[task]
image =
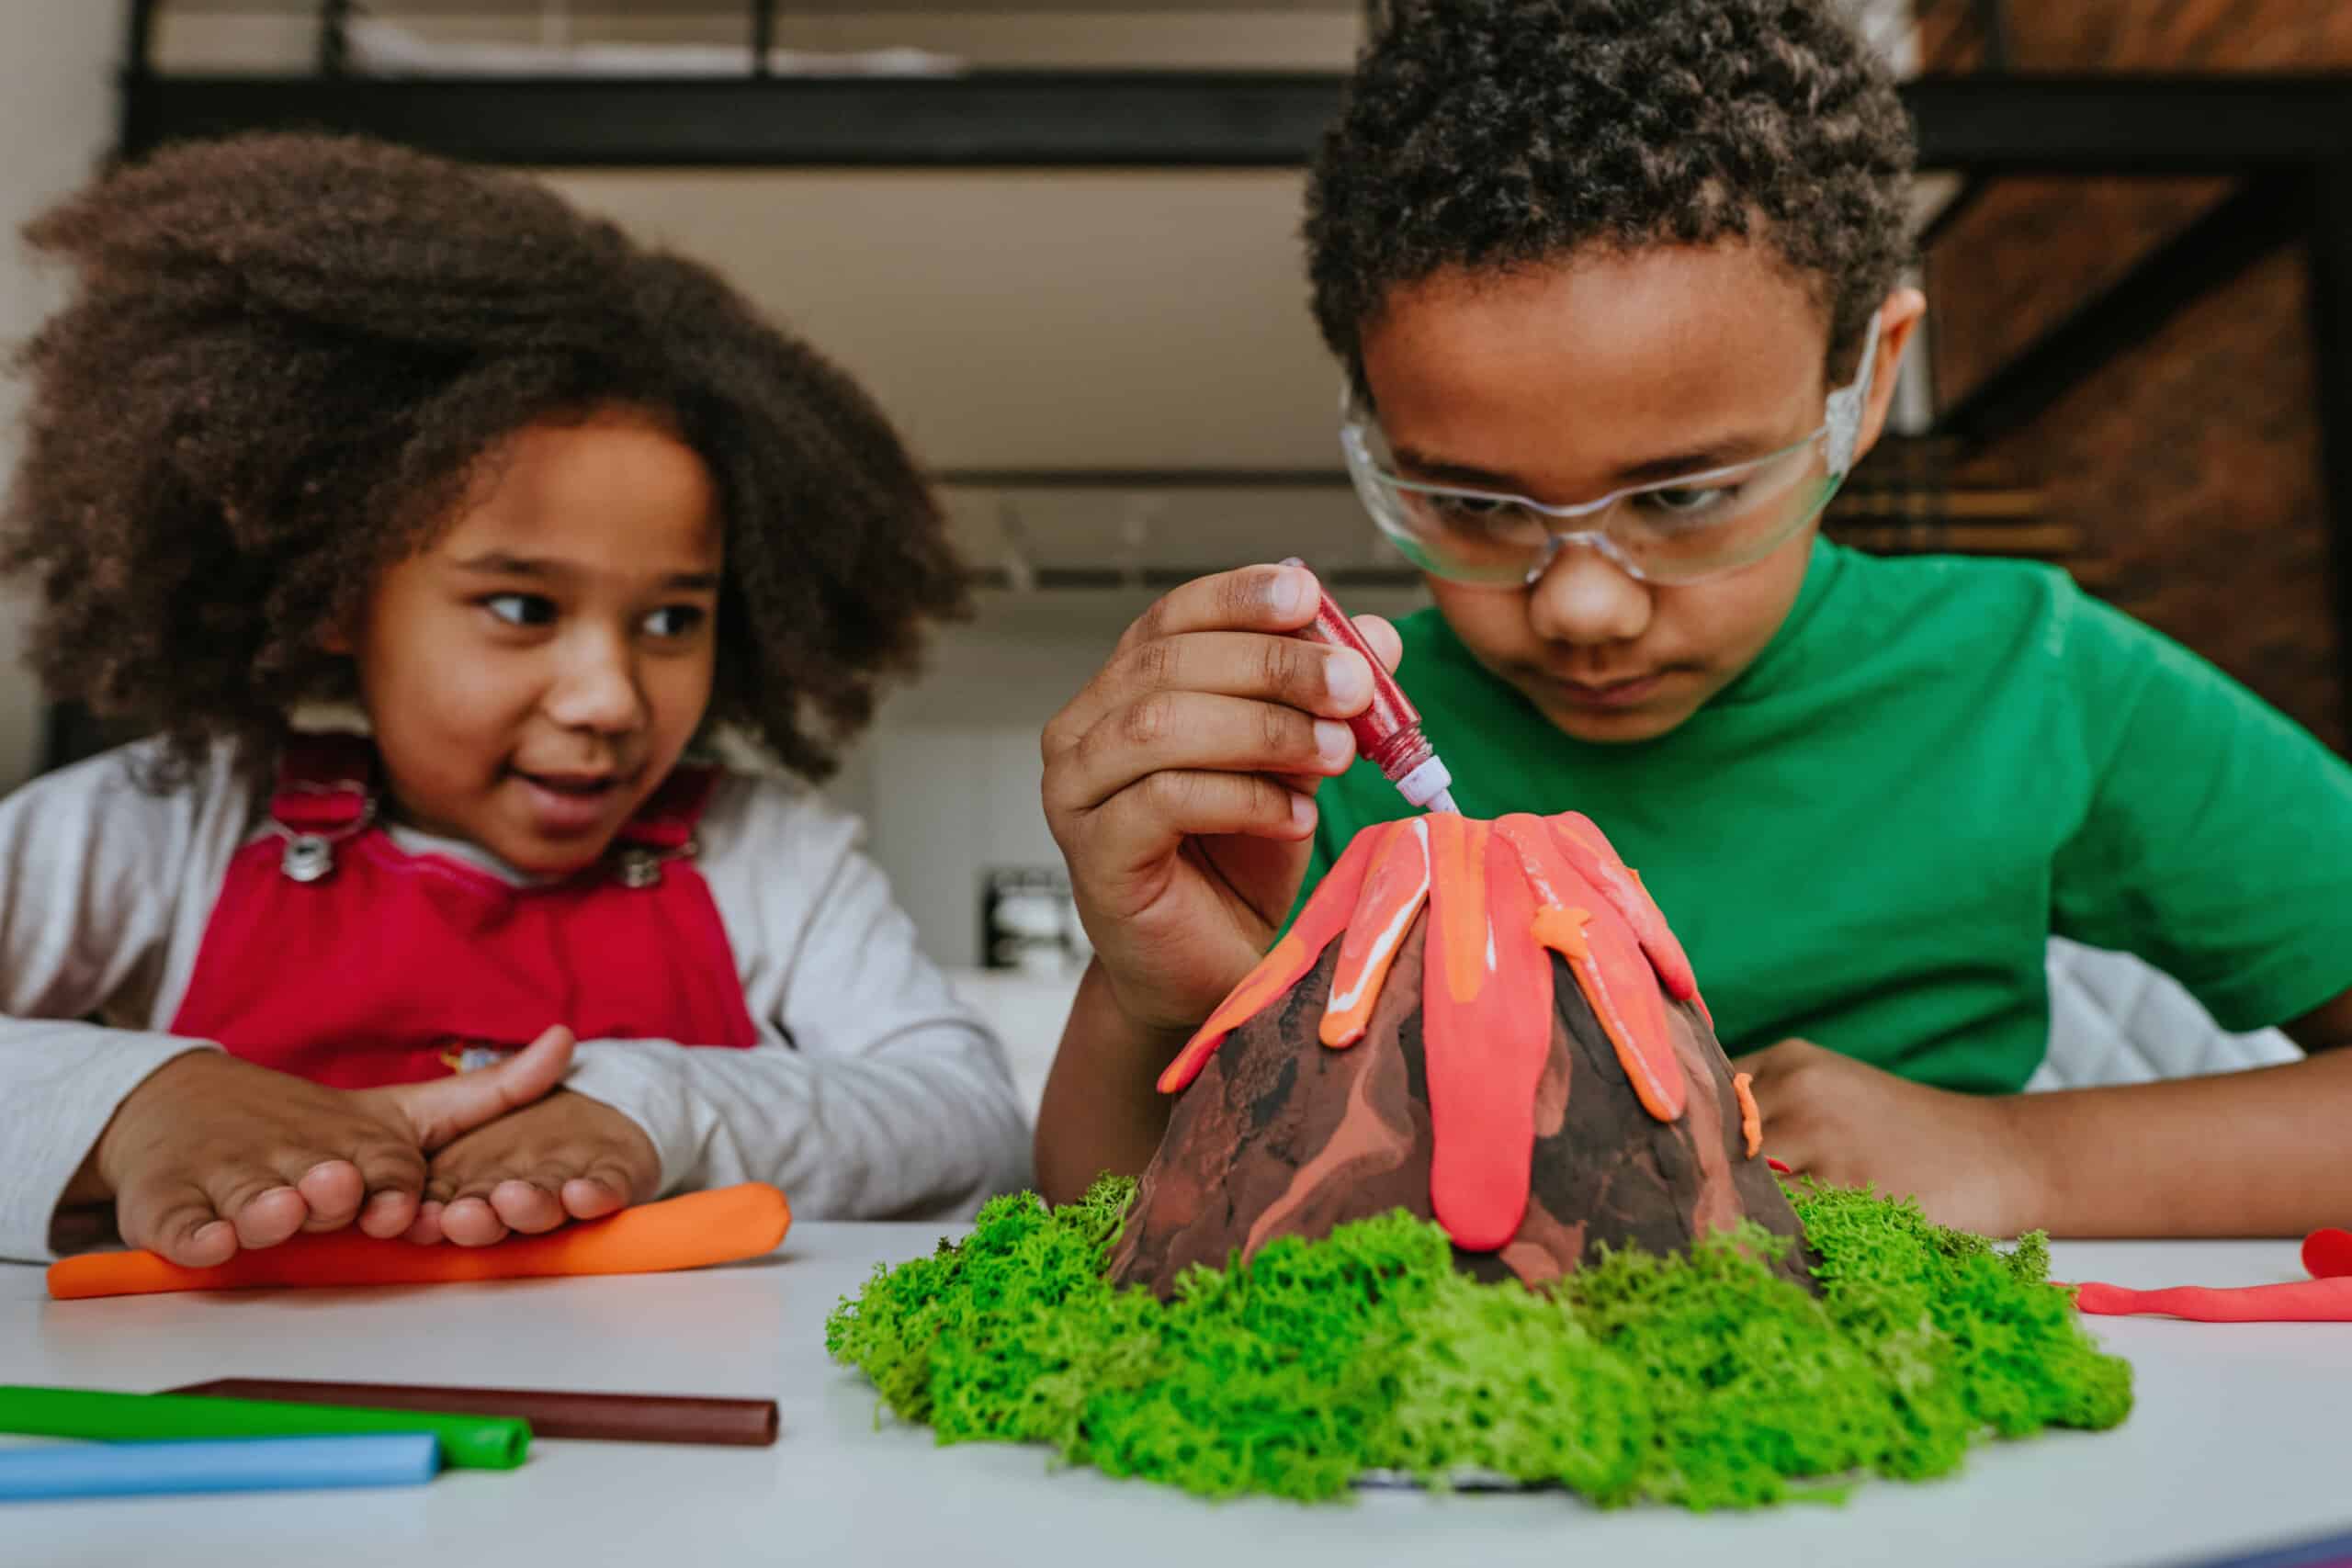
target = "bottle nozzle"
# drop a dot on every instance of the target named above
(1428, 787)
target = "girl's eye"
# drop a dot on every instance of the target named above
(521, 609)
(674, 620)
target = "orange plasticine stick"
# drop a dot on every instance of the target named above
(1751, 1121)
(690, 1232)
(1393, 891)
(1301, 948)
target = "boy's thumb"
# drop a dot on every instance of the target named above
(442, 1110)
(1382, 639)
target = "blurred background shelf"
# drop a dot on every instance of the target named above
(1059, 240)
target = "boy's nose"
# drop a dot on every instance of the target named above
(1585, 597)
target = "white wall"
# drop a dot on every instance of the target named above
(947, 779)
(57, 106)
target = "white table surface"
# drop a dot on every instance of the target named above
(2242, 1437)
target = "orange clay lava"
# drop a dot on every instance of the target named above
(1499, 894)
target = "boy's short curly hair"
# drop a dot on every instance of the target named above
(1486, 134)
(286, 360)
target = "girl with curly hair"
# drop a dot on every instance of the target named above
(1615, 288)
(326, 425)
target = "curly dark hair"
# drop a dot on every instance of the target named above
(288, 357)
(1495, 134)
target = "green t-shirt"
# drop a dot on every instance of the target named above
(1868, 837)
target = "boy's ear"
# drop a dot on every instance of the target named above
(1897, 320)
(335, 637)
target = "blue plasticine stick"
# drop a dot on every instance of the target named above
(227, 1464)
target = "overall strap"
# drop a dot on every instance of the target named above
(326, 792)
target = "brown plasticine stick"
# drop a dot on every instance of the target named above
(690, 1232)
(594, 1417)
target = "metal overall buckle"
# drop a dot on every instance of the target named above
(309, 857)
(639, 866)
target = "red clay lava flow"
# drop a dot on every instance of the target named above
(1502, 895)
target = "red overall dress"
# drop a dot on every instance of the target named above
(335, 955)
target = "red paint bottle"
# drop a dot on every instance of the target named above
(1388, 732)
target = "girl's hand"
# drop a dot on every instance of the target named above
(1180, 784)
(211, 1153)
(1962, 1156)
(563, 1158)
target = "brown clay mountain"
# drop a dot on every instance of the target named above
(1484, 1023)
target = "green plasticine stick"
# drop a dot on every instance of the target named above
(471, 1442)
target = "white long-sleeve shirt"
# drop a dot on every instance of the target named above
(873, 1093)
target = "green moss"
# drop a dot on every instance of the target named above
(1705, 1380)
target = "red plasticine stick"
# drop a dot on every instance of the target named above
(699, 1229)
(2297, 1300)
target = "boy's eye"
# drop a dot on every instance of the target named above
(521, 609)
(1470, 512)
(674, 620)
(1689, 506)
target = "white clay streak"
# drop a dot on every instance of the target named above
(1376, 959)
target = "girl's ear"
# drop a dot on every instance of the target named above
(335, 637)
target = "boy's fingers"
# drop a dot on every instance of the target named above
(443, 1109)
(1251, 598)
(1333, 681)
(1140, 827)
(1245, 612)
(1175, 731)
(1384, 639)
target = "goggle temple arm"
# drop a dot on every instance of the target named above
(1848, 403)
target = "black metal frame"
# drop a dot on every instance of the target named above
(1974, 125)
(763, 36)
(2288, 138)
(1993, 21)
(987, 118)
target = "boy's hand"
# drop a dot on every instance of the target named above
(210, 1154)
(1962, 1155)
(564, 1157)
(1178, 783)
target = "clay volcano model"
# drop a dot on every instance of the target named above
(1507, 1039)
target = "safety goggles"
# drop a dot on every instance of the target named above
(1675, 531)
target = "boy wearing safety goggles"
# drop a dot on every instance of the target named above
(1616, 288)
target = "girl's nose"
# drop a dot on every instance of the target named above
(1584, 597)
(596, 687)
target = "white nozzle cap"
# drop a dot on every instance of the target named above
(1427, 784)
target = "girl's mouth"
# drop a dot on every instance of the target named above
(566, 804)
